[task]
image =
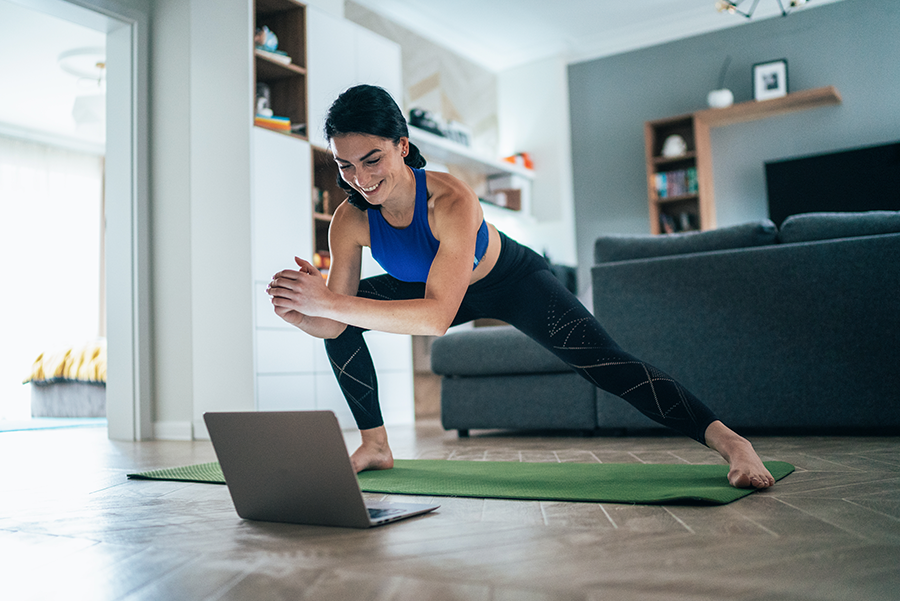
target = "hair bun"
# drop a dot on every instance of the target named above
(414, 159)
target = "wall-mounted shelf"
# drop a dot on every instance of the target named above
(441, 150)
(763, 109)
(696, 210)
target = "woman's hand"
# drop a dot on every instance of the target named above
(299, 293)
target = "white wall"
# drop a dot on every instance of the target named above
(202, 295)
(533, 114)
(172, 265)
(221, 194)
(333, 7)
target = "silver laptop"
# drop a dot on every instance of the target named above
(293, 466)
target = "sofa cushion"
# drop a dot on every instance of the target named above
(492, 351)
(808, 227)
(608, 249)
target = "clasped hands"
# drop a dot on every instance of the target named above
(298, 293)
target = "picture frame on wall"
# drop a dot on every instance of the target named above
(770, 80)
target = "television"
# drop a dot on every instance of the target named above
(859, 179)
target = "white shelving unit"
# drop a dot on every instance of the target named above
(497, 174)
(292, 370)
(441, 150)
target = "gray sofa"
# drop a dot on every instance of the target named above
(797, 329)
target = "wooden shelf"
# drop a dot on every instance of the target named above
(268, 69)
(441, 150)
(688, 156)
(763, 109)
(694, 128)
(681, 198)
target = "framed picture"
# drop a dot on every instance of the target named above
(770, 80)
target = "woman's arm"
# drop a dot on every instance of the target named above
(457, 216)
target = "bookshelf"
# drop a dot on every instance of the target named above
(287, 81)
(691, 206)
(675, 204)
(327, 195)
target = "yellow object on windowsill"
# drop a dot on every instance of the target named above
(85, 364)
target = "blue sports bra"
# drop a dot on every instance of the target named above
(407, 253)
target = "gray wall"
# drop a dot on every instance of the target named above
(853, 45)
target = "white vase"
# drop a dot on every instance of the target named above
(719, 99)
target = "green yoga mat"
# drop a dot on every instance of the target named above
(587, 482)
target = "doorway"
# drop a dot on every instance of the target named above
(126, 212)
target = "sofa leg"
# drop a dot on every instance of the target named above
(463, 433)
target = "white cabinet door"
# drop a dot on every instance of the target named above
(341, 54)
(284, 351)
(280, 392)
(378, 62)
(331, 65)
(282, 228)
(282, 202)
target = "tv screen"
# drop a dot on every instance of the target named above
(861, 179)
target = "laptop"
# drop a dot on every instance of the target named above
(293, 466)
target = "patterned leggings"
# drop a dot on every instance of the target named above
(522, 291)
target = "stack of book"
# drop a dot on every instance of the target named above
(282, 124)
(682, 182)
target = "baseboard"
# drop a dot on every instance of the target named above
(200, 431)
(173, 431)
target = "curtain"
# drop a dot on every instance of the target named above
(50, 259)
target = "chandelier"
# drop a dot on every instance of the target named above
(732, 7)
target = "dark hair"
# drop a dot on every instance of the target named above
(370, 110)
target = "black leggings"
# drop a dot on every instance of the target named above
(522, 291)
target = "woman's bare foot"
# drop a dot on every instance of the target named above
(747, 469)
(374, 453)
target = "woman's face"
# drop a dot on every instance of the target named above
(372, 165)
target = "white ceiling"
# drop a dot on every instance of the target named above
(36, 95)
(499, 34)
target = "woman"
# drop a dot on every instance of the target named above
(422, 228)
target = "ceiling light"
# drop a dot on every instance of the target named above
(89, 66)
(732, 7)
(85, 63)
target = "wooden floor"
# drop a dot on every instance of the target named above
(73, 527)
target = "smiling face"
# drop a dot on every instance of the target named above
(372, 165)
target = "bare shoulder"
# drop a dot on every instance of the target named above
(446, 186)
(350, 223)
(448, 193)
(453, 206)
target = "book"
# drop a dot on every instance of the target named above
(275, 123)
(682, 182)
(276, 55)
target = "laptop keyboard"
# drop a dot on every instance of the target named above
(377, 514)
